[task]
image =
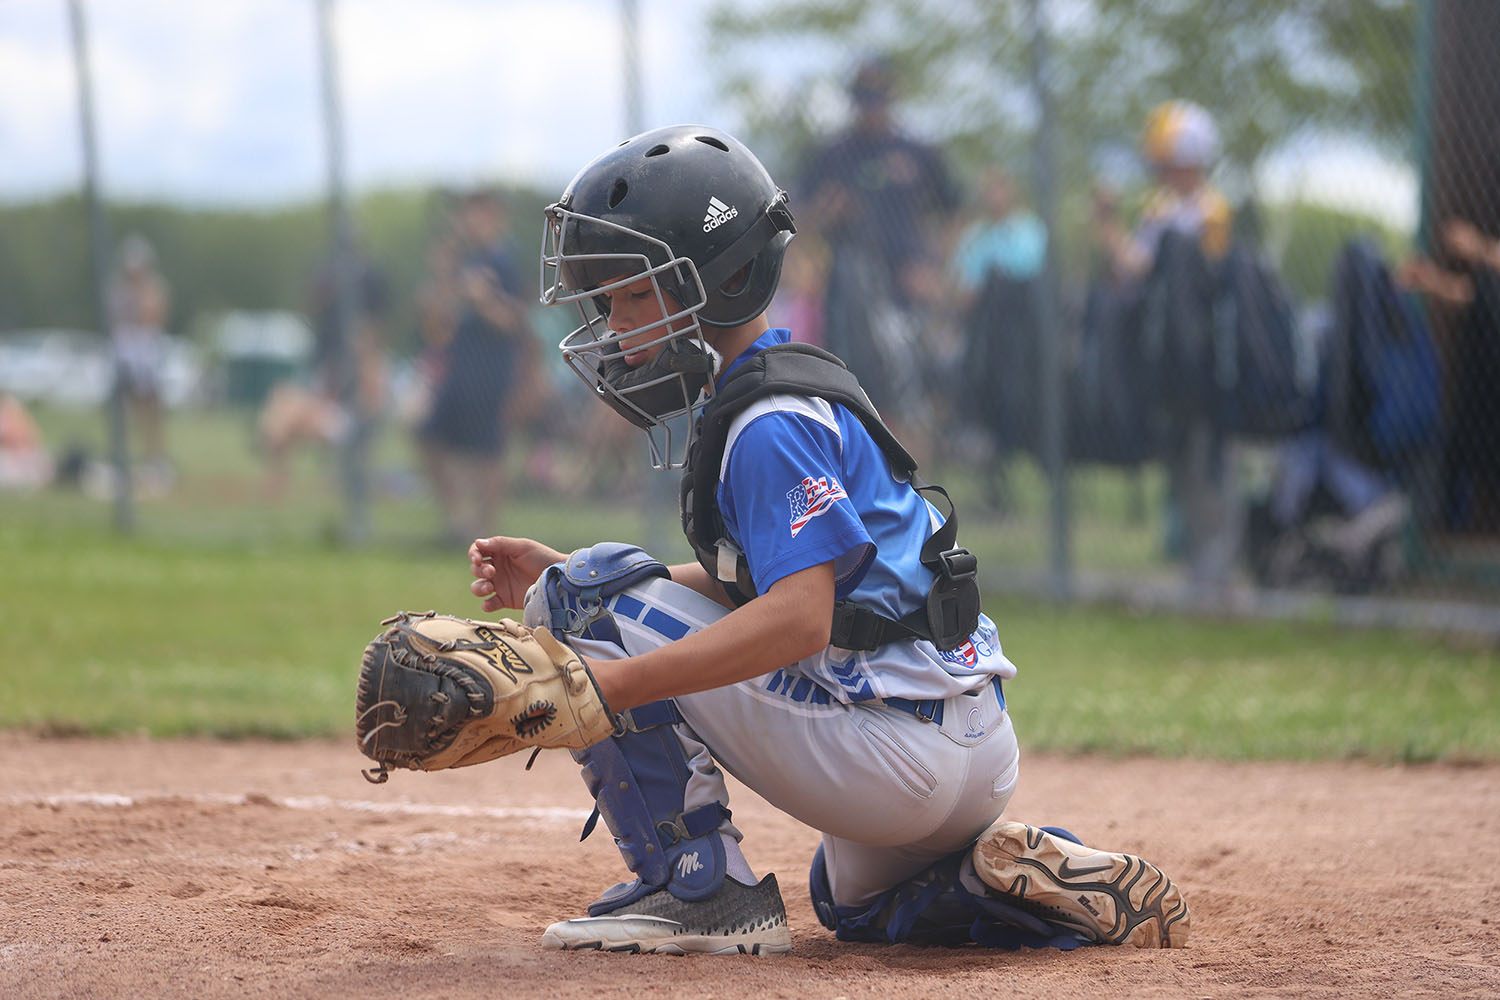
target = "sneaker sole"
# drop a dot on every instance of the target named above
(1112, 898)
(643, 934)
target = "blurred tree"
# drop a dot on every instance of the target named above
(1310, 237)
(1267, 69)
(221, 259)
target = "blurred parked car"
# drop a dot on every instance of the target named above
(74, 368)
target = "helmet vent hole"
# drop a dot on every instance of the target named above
(618, 192)
(657, 150)
(714, 141)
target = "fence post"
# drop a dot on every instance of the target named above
(99, 239)
(354, 451)
(1054, 429)
(661, 487)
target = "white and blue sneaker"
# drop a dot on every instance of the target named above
(736, 920)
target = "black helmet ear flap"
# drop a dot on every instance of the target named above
(735, 297)
(776, 219)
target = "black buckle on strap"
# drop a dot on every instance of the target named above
(958, 564)
(953, 601)
(856, 627)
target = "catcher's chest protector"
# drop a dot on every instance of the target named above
(952, 608)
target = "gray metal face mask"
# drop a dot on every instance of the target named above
(662, 395)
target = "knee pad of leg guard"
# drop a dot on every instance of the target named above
(638, 780)
(569, 597)
(926, 909)
(933, 908)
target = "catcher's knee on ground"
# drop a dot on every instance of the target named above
(1017, 887)
(944, 905)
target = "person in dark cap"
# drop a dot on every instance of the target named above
(879, 198)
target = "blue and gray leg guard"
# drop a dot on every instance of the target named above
(639, 776)
(937, 908)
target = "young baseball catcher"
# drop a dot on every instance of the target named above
(827, 647)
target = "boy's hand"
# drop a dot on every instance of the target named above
(505, 568)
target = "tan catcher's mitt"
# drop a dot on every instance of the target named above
(436, 691)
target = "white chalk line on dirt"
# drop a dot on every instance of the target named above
(310, 803)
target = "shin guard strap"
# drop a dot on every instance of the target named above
(638, 779)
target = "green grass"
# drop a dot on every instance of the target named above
(223, 616)
(1113, 682)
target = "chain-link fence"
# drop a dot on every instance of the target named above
(1166, 294)
(1195, 293)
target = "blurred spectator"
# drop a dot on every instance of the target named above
(25, 463)
(1340, 499)
(1384, 394)
(1004, 239)
(345, 390)
(1184, 227)
(1472, 447)
(1180, 144)
(464, 436)
(139, 303)
(1329, 519)
(995, 266)
(438, 306)
(881, 200)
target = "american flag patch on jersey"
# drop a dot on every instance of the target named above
(965, 654)
(812, 497)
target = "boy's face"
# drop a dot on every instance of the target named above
(1182, 179)
(637, 306)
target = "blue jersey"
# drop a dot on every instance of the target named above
(803, 483)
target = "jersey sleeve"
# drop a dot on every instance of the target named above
(784, 500)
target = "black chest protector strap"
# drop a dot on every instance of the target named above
(951, 612)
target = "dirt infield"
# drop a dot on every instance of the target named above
(204, 869)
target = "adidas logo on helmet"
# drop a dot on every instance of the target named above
(718, 214)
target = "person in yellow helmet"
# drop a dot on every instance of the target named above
(1180, 143)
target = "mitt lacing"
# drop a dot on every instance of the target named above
(397, 718)
(380, 774)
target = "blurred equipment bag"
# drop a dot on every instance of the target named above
(1177, 336)
(436, 691)
(1385, 393)
(1110, 384)
(1220, 340)
(1257, 353)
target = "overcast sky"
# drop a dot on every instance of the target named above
(218, 101)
